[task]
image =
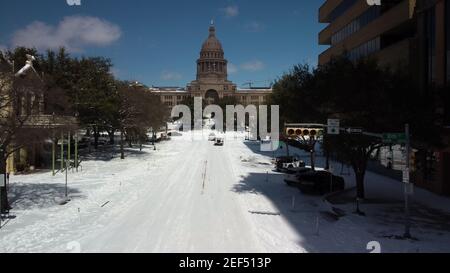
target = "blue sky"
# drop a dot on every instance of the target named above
(157, 42)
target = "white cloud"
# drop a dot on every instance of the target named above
(254, 27)
(3, 48)
(232, 68)
(253, 66)
(231, 11)
(170, 76)
(73, 32)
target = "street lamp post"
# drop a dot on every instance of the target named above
(407, 185)
(67, 191)
(62, 151)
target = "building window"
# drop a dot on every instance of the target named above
(364, 49)
(430, 34)
(367, 17)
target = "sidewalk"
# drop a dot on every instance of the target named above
(384, 221)
(379, 188)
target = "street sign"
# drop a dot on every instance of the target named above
(333, 126)
(354, 130)
(406, 178)
(2, 180)
(394, 138)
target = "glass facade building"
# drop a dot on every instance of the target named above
(364, 19)
(365, 49)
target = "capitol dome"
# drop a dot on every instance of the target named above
(212, 63)
(212, 43)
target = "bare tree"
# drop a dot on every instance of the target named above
(138, 111)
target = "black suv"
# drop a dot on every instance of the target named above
(319, 182)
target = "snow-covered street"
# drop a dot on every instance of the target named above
(187, 196)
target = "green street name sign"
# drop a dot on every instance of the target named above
(394, 138)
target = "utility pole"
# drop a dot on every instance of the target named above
(68, 148)
(67, 192)
(53, 155)
(407, 185)
(62, 151)
(76, 151)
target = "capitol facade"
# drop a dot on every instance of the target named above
(212, 81)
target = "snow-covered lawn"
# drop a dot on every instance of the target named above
(191, 196)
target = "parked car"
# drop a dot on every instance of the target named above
(291, 175)
(103, 140)
(284, 163)
(212, 137)
(296, 170)
(317, 182)
(219, 141)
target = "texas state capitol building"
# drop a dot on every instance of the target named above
(212, 80)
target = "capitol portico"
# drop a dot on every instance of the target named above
(212, 81)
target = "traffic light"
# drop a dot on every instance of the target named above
(303, 132)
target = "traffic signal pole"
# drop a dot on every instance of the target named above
(54, 143)
(407, 185)
(62, 152)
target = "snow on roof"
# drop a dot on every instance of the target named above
(167, 90)
(254, 90)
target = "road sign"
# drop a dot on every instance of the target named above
(333, 126)
(394, 138)
(354, 130)
(406, 178)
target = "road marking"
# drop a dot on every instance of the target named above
(265, 213)
(204, 177)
